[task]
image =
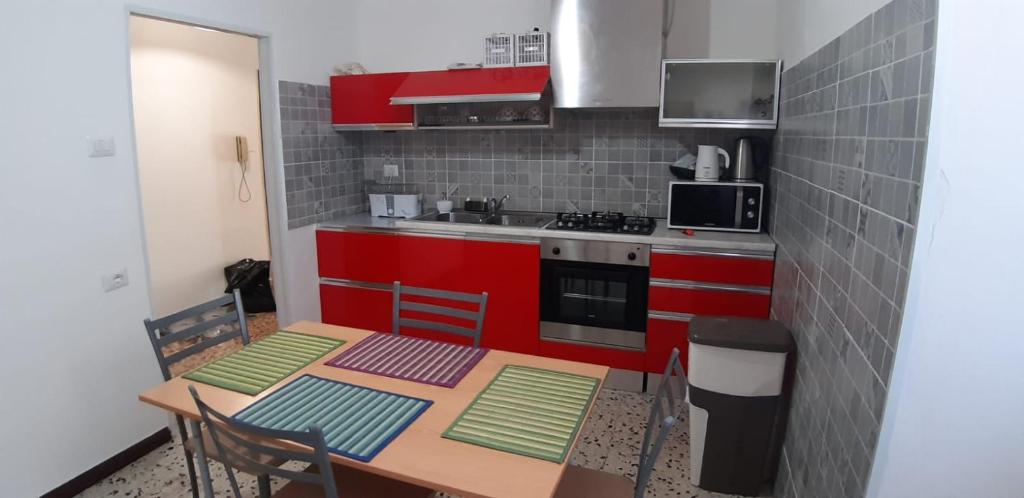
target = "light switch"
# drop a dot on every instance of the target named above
(115, 280)
(101, 147)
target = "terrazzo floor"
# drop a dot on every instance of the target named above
(610, 441)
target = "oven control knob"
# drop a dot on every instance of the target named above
(750, 215)
(751, 201)
(556, 251)
(631, 256)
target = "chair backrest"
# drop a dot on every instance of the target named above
(400, 304)
(238, 444)
(161, 336)
(671, 392)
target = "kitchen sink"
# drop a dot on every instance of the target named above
(521, 219)
(454, 217)
(507, 218)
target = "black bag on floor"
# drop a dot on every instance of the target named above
(252, 279)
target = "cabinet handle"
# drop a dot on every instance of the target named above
(731, 254)
(668, 315)
(356, 284)
(693, 285)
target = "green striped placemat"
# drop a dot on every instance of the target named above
(527, 411)
(264, 363)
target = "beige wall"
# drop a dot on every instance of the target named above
(194, 91)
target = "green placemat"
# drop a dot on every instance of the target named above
(527, 411)
(264, 363)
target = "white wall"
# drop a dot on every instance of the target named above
(74, 358)
(804, 26)
(412, 35)
(743, 29)
(193, 91)
(954, 423)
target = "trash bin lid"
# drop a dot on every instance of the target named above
(741, 333)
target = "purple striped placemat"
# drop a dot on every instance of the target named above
(410, 358)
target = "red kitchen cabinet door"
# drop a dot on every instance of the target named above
(709, 302)
(363, 257)
(614, 358)
(364, 101)
(662, 336)
(432, 262)
(717, 269)
(508, 272)
(356, 307)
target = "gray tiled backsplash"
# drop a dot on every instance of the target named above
(591, 160)
(323, 169)
(846, 181)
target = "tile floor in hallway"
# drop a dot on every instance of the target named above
(610, 441)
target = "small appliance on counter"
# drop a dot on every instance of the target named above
(721, 206)
(751, 154)
(394, 200)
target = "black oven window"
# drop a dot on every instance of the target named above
(607, 296)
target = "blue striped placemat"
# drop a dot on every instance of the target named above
(358, 422)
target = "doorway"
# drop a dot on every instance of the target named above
(196, 106)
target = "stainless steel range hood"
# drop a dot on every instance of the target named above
(607, 53)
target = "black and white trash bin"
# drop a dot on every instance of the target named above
(736, 371)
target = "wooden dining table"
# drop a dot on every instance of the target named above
(419, 455)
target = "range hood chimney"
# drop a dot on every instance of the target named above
(607, 53)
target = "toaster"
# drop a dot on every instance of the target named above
(396, 205)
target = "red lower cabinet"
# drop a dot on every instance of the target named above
(614, 358)
(509, 272)
(713, 269)
(362, 257)
(356, 307)
(709, 302)
(662, 336)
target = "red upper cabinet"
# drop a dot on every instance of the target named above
(489, 84)
(363, 102)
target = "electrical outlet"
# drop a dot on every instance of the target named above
(390, 170)
(115, 280)
(101, 147)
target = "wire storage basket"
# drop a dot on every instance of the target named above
(532, 48)
(499, 50)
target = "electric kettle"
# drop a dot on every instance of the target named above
(743, 167)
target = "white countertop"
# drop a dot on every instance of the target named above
(662, 236)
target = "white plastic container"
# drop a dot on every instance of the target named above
(532, 49)
(499, 50)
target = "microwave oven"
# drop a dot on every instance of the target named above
(722, 206)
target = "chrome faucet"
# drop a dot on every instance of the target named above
(496, 205)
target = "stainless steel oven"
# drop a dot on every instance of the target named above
(594, 293)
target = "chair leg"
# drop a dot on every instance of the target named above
(204, 466)
(190, 465)
(263, 482)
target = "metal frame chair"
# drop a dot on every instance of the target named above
(230, 436)
(399, 305)
(673, 388)
(159, 338)
(579, 481)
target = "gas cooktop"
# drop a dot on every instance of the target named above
(603, 222)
